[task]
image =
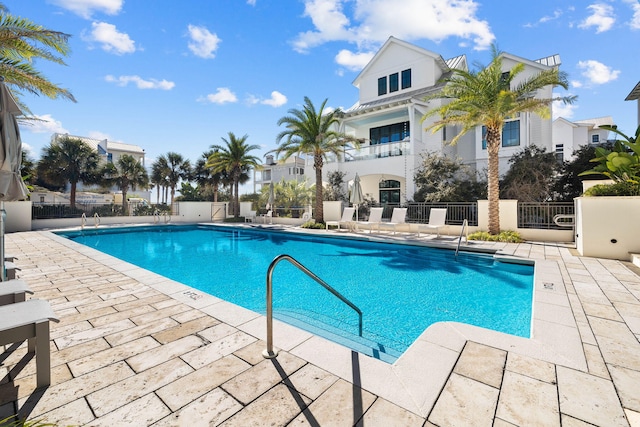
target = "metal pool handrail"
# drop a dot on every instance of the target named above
(269, 353)
(465, 226)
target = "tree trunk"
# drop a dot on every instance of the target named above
(125, 205)
(494, 139)
(236, 200)
(317, 165)
(72, 195)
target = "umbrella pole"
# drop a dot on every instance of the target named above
(3, 273)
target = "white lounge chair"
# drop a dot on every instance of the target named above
(347, 218)
(375, 218)
(437, 218)
(250, 217)
(29, 320)
(267, 216)
(13, 291)
(397, 218)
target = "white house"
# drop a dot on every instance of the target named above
(570, 136)
(291, 169)
(387, 116)
(634, 95)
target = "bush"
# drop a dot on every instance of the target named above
(615, 189)
(504, 236)
(313, 225)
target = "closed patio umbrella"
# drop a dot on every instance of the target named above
(272, 197)
(356, 196)
(11, 185)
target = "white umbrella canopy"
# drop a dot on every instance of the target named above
(11, 185)
(272, 197)
(356, 197)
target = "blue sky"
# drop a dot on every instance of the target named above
(179, 75)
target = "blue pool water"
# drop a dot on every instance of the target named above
(401, 289)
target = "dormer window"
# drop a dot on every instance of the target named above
(382, 85)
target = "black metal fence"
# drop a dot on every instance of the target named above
(541, 215)
(457, 212)
(44, 211)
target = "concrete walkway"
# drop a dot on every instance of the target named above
(133, 348)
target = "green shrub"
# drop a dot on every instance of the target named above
(507, 236)
(313, 224)
(615, 189)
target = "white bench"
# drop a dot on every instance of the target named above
(29, 320)
(13, 291)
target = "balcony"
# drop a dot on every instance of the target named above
(371, 152)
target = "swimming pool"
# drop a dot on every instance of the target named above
(401, 289)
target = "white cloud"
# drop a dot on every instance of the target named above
(596, 72)
(85, 8)
(634, 23)
(576, 83)
(602, 18)
(410, 19)
(140, 82)
(353, 61)
(277, 99)
(110, 39)
(223, 95)
(43, 124)
(203, 43)
(251, 2)
(560, 109)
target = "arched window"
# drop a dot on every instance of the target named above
(389, 191)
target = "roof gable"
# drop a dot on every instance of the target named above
(390, 44)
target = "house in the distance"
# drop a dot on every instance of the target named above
(568, 136)
(387, 117)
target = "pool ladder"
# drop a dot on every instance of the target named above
(465, 226)
(269, 353)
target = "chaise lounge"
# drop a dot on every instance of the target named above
(347, 218)
(29, 320)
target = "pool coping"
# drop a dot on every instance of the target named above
(555, 335)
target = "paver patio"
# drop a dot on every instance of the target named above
(133, 348)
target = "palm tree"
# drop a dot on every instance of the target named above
(159, 173)
(126, 173)
(69, 160)
(234, 158)
(22, 43)
(312, 132)
(488, 97)
(206, 178)
(177, 169)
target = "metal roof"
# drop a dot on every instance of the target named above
(634, 94)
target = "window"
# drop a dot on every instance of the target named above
(393, 82)
(560, 153)
(390, 133)
(389, 191)
(296, 171)
(595, 139)
(510, 134)
(382, 85)
(110, 158)
(406, 79)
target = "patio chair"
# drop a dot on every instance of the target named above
(397, 218)
(29, 320)
(13, 291)
(375, 218)
(250, 217)
(437, 218)
(347, 218)
(267, 216)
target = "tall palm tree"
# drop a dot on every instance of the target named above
(234, 158)
(69, 160)
(178, 169)
(206, 178)
(22, 43)
(159, 173)
(126, 173)
(312, 132)
(488, 97)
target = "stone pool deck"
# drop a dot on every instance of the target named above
(134, 348)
